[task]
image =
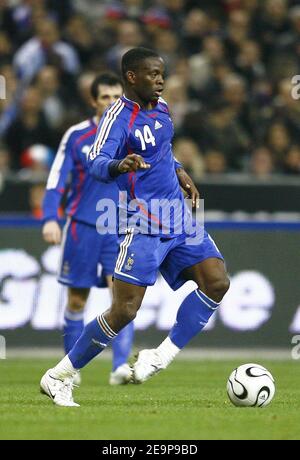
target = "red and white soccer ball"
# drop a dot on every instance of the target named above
(251, 385)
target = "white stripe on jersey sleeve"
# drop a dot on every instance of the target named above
(110, 111)
(114, 117)
(110, 118)
(53, 178)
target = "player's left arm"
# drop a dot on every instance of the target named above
(187, 183)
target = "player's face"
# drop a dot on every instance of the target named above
(149, 79)
(107, 95)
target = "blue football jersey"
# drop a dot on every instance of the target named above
(126, 128)
(70, 167)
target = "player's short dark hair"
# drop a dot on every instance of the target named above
(107, 78)
(133, 58)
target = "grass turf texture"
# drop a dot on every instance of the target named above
(187, 401)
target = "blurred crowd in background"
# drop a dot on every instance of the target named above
(229, 65)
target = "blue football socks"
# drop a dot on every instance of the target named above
(192, 317)
(121, 346)
(94, 339)
(73, 327)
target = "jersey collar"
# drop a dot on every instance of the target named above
(130, 103)
(134, 104)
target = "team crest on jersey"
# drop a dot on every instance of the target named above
(129, 262)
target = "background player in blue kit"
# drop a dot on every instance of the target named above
(83, 249)
(133, 148)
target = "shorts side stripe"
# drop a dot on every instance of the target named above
(123, 249)
(63, 244)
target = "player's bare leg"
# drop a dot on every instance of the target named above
(211, 278)
(192, 316)
(127, 299)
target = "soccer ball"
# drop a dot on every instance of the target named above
(251, 385)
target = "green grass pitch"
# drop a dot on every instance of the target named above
(187, 401)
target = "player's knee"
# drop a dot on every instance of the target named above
(217, 288)
(76, 303)
(128, 310)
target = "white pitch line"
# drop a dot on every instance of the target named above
(189, 354)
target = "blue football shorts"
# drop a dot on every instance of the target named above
(141, 257)
(87, 257)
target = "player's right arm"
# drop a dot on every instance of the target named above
(55, 188)
(131, 163)
(108, 155)
(52, 232)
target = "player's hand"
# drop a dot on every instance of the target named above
(189, 187)
(132, 163)
(52, 232)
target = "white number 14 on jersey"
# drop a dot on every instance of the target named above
(146, 138)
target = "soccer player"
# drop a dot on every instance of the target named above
(133, 148)
(83, 249)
